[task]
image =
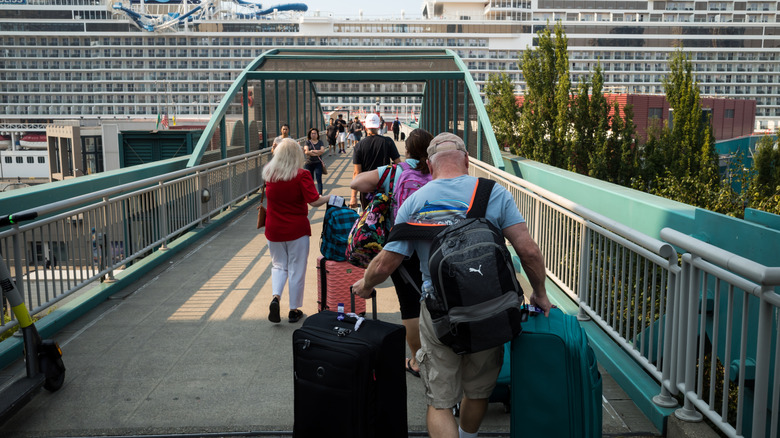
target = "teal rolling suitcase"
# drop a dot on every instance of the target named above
(556, 384)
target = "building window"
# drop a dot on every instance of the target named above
(654, 113)
(92, 154)
(729, 114)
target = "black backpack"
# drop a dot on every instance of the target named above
(477, 302)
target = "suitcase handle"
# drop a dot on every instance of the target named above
(373, 301)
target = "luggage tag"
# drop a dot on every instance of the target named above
(534, 310)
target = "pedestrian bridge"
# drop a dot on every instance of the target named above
(679, 303)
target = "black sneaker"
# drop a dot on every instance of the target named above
(295, 316)
(273, 313)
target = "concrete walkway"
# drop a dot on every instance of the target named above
(189, 350)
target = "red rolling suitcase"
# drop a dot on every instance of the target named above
(333, 282)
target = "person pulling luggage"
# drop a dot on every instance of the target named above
(450, 377)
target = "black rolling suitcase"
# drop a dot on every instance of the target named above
(348, 382)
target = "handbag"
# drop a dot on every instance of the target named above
(369, 234)
(261, 211)
(324, 167)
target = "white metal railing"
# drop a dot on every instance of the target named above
(86, 239)
(669, 311)
(648, 298)
(729, 344)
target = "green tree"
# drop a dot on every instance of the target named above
(692, 153)
(545, 114)
(582, 139)
(624, 134)
(502, 108)
(764, 192)
(687, 148)
(603, 159)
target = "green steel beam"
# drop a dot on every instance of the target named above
(358, 76)
(222, 109)
(466, 127)
(287, 93)
(223, 138)
(298, 111)
(482, 117)
(264, 116)
(360, 57)
(245, 96)
(276, 103)
(372, 94)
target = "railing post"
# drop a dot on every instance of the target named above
(583, 293)
(108, 250)
(689, 277)
(669, 356)
(163, 205)
(763, 356)
(19, 274)
(246, 178)
(204, 196)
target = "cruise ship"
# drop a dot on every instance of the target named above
(130, 60)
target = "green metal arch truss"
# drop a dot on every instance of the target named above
(281, 86)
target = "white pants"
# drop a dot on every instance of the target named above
(289, 263)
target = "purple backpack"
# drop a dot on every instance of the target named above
(409, 182)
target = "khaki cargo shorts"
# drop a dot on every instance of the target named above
(448, 376)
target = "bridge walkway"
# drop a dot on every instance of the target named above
(188, 350)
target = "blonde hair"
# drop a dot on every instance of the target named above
(288, 159)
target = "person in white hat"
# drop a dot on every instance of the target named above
(373, 151)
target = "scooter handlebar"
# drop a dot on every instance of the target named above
(16, 218)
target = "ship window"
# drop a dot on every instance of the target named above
(31, 160)
(8, 160)
(41, 160)
(19, 160)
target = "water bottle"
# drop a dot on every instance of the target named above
(427, 290)
(341, 312)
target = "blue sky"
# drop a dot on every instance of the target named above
(350, 8)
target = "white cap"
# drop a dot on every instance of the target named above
(372, 121)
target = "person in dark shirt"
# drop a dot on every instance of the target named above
(373, 151)
(396, 128)
(342, 133)
(331, 132)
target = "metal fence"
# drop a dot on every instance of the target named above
(702, 322)
(86, 239)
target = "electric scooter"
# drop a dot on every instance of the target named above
(43, 358)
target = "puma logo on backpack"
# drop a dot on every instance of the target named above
(477, 299)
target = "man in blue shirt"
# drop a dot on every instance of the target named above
(449, 377)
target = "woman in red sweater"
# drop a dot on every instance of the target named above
(289, 188)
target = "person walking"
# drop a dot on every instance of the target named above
(342, 133)
(447, 376)
(285, 133)
(288, 188)
(331, 132)
(372, 152)
(396, 128)
(407, 284)
(314, 149)
(382, 126)
(357, 129)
